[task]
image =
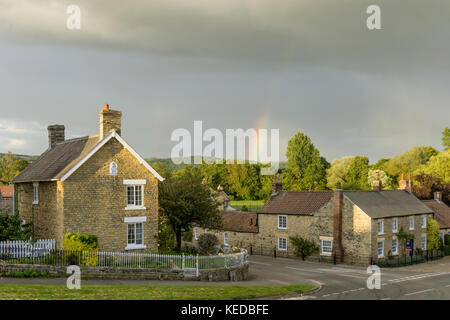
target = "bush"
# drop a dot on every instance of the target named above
(29, 273)
(78, 243)
(190, 249)
(12, 228)
(303, 247)
(207, 243)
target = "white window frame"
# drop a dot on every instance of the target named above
(380, 223)
(134, 184)
(322, 246)
(225, 238)
(382, 249)
(411, 219)
(134, 221)
(395, 225)
(424, 222)
(282, 225)
(442, 236)
(279, 240)
(113, 169)
(396, 247)
(35, 193)
(424, 243)
(196, 233)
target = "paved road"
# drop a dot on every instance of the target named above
(426, 281)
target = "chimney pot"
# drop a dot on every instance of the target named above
(277, 186)
(56, 134)
(377, 184)
(106, 106)
(110, 120)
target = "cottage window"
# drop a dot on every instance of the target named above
(327, 246)
(380, 227)
(135, 232)
(282, 244)
(424, 222)
(282, 222)
(442, 235)
(424, 242)
(113, 169)
(225, 238)
(411, 223)
(395, 225)
(135, 194)
(380, 249)
(394, 246)
(35, 193)
(196, 233)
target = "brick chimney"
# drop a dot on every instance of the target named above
(438, 196)
(338, 249)
(377, 185)
(402, 184)
(277, 186)
(110, 120)
(55, 134)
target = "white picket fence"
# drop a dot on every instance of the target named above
(26, 249)
(190, 264)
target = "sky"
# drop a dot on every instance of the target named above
(310, 66)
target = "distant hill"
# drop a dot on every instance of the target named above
(22, 157)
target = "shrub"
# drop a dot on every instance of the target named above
(12, 228)
(433, 237)
(190, 249)
(303, 247)
(77, 243)
(207, 243)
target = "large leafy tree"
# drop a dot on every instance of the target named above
(438, 165)
(8, 168)
(426, 184)
(351, 172)
(305, 169)
(383, 176)
(185, 200)
(433, 238)
(446, 138)
(12, 228)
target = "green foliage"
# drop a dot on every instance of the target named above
(8, 169)
(306, 169)
(403, 236)
(433, 238)
(438, 165)
(12, 228)
(186, 200)
(426, 184)
(29, 273)
(77, 243)
(207, 243)
(446, 138)
(162, 169)
(303, 247)
(384, 178)
(166, 236)
(352, 172)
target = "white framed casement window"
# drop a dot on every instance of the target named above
(35, 193)
(135, 194)
(424, 242)
(394, 246)
(326, 246)
(113, 169)
(424, 222)
(196, 233)
(395, 225)
(135, 232)
(380, 249)
(225, 238)
(411, 223)
(282, 222)
(282, 244)
(380, 227)
(442, 235)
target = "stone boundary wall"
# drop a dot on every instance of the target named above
(235, 273)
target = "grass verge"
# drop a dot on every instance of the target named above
(121, 292)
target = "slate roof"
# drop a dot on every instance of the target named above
(239, 221)
(55, 162)
(387, 203)
(296, 202)
(441, 212)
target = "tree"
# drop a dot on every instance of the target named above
(438, 165)
(446, 138)
(8, 169)
(384, 178)
(303, 247)
(162, 169)
(12, 228)
(433, 238)
(426, 184)
(351, 171)
(305, 169)
(207, 243)
(186, 200)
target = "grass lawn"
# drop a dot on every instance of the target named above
(120, 292)
(251, 205)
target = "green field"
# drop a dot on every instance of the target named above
(251, 205)
(121, 292)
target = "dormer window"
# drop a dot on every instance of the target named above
(113, 169)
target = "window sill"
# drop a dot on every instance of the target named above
(381, 233)
(35, 202)
(282, 249)
(135, 208)
(135, 246)
(325, 254)
(282, 228)
(381, 256)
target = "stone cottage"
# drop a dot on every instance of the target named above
(354, 226)
(95, 185)
(441, 213)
